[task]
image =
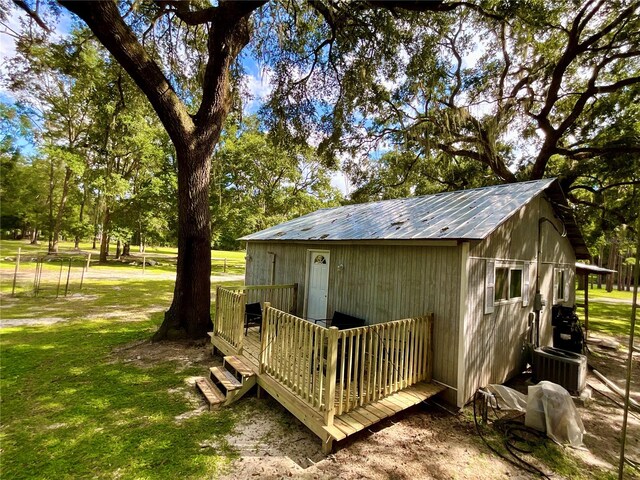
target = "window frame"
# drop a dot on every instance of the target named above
(510, 267)
(562, 283)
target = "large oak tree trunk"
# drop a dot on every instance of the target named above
(193, 135)
(189, 314)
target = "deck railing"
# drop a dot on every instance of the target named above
(229, 320)
(230, 309)
(335, 371)
(378, 360)
(294, 352)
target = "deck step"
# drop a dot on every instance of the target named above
(225, 378)
(238, 365)
(212, 394)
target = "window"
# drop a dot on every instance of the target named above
(508, 283)
(320, 260)
(559, 285)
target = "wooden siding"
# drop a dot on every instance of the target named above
(379, 283)
(494, 343)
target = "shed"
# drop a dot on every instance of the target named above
(474, 258)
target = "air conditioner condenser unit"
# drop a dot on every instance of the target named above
(560, 366)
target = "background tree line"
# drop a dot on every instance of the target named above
(104, 170)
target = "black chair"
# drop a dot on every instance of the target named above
(342, 321)
(252, 316)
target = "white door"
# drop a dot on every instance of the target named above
(317, 285)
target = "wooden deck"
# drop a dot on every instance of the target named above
(359, 416)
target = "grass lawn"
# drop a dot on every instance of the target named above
(607, 314)
(222, 262)
(71, 408)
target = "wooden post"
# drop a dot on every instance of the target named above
(216, 323)
(84, 269)
(15, 272)
(265, 333)
(88, 260)
(66, 288)
(144, 263)
(225, 266)
(586, 306)
(239, 319)
(330, 385)
(294, 308)
(59, 279)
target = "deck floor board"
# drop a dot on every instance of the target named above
(358, 418)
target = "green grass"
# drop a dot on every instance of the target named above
(71, 408)
(595, 293)
(606, 316)
(235, 261)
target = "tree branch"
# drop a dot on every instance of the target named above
(21, 4)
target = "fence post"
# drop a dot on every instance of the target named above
(15, 273)
(265, 333)
(239, 319)
(330, 385)
(216, 323)
(84, 269)
(144, 263)
(225, 265)
(294, 300)
(59, 278)
(66, 288)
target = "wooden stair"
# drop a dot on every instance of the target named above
(227, 383)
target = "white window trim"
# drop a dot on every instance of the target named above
(510, 267)
(491, 265)
(565, 288)
(489, 286)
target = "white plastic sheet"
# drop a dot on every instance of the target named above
(549, 408)
(513, 399)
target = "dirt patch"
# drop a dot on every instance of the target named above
(186, 353)
(423, 442)
(21, 322)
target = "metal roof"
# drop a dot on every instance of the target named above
(586, 268)
(461, 215)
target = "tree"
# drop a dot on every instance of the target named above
(547, 83)
(193, 118)
(22, 203)
(257, 184)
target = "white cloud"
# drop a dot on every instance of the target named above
(259, 87)
(339, 181)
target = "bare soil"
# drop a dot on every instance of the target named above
(426, 441)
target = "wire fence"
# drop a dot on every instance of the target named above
(66, 273)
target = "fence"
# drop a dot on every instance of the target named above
(334, 371)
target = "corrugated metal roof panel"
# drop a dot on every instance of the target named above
(461, 215)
